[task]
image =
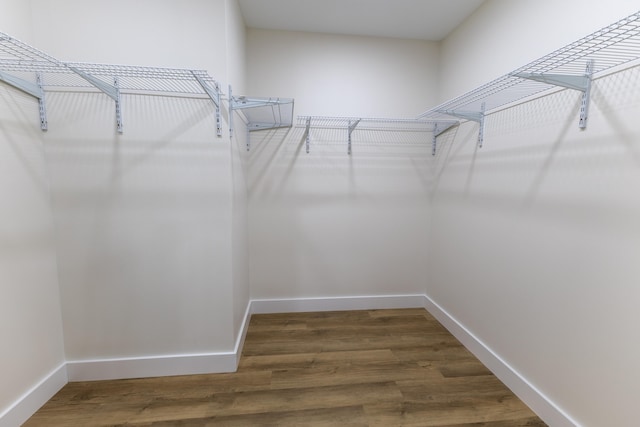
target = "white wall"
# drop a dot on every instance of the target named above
(166, 33)
(343, 75)
(30, 318)
(326, 224)
(144, 219)
(534, 237)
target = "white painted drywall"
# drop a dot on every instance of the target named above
(534, 239)
(326, 224)
(30, 318)
(343, 75)
(16, 19)
(165, 33)
(144, 219)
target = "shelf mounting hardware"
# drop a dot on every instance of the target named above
(42, 106)
(112, 91)
(214, 94)
(474, 116)
(306, 133)
(33, 89)
(581, 83)
(438, 129)
(352, 126)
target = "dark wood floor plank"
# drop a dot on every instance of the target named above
(350, 416)
(349, 368)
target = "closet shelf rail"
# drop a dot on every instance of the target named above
(350, 124)
(34, 72)
(572, 66)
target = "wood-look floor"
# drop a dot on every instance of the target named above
(379, 368)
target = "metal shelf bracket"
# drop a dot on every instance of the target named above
(306, 134)
(33, 89)
(116, 85)
(581, 83)
(214, 94)
(112, 91)
(352, 126)
(474, 116)
(42, 106)
(438, 129)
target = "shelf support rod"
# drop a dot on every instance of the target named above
(33, 89)
(439, 129)
(352, 127)
(112, 91)
(474, 116)
(214, 94)
(306, 134)
(581, 83)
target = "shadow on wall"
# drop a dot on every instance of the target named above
(138, 214)
(535, 159)
(19, 114)
(388, 164)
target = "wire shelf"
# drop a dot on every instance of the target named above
(264, 113)
(612, 46)
(370, 123)
(35, 72)
(350, 124)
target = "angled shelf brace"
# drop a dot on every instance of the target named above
(111, 90)
(438, 129)
(33, 89)
(34, 72)
(261, 113)
(214, 94)
(352, 126)
(474, 116)
(581, 83)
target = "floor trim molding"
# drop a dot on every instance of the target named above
(151, 366)
(296, 305)
(549, 412)
(32, 400)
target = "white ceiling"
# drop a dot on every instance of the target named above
(410, 19)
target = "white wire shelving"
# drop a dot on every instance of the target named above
(260, 113)
(351, 124)
(34, 72)
(573, 67)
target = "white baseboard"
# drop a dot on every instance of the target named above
(297, 305)
(161, 366)
(527, 392)
(32, 400)
(242, 334)
(152, 366)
